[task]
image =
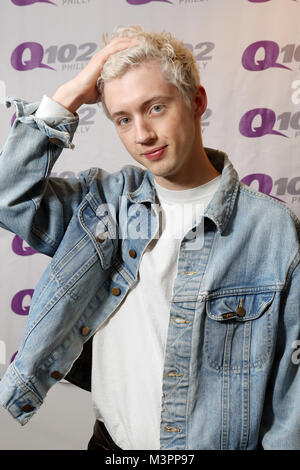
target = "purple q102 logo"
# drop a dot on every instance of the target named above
(143, 2)
(284, 186)
(265, 182)
(271, 53)
(19, 248)
(31, 55)
(17, 303)
(36, 51)
(268, 119)
(23, 3)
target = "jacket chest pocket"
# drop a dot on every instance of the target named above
(101, 228)
(238, 331)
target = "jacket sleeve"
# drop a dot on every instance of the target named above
(280, 428)
(34, 205)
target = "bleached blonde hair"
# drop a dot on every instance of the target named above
(177, 61)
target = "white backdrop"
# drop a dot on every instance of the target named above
(248, 54)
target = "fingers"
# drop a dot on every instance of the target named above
(114, 46)
(119, 44)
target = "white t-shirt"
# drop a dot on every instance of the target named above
(129, 349)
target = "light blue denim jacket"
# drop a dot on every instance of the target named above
(231, 376)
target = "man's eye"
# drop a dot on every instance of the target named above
(124, 121)
(157, 108)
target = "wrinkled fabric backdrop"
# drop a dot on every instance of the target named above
(248, 54)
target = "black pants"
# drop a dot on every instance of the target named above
(101, 439)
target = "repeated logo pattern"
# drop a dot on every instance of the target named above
(258, 122)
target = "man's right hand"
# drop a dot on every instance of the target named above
(82, 89)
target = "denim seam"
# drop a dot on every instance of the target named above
(62, 262)
(101, 256)
(44, 237)
(226, 387)
(67, 286)
(20, 384)
(62, 291)
(258, 195)
(244, 291)
(293, 266)
(246, 386)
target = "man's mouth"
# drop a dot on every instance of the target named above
(155, 153)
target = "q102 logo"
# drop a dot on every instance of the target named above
(282, 187)
(20, 303)
(271, 52)
(202, 52)
(20, 249)
(31, 55)
(259, 122)
(266, 119)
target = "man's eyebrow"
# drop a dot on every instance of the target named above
(144, 105)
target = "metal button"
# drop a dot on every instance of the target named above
(171, 429)
(85, 330)
(27, 408)
(225, 316)
(56, 375)
(180, 320)
(116, 291)
(240, 310)
(101, 238)
(132, 253)
(173, 373)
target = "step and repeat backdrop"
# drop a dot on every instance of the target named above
(248, 54)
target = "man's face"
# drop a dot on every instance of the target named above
(153, 121)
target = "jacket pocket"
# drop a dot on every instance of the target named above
(238, 330)
(101, 230)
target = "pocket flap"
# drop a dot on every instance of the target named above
(100, 231)
(240, 307)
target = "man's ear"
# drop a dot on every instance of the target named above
(200, 101)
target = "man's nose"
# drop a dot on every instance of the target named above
(144, 132)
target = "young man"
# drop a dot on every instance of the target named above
(193, 324)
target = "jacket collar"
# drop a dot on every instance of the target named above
(221, 206)
(222, 203)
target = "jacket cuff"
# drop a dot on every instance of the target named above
(25, 402)
(61, 134)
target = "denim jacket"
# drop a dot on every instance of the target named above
(231, 378)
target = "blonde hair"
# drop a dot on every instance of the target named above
(178, 63)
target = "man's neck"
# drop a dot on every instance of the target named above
(198, 171)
